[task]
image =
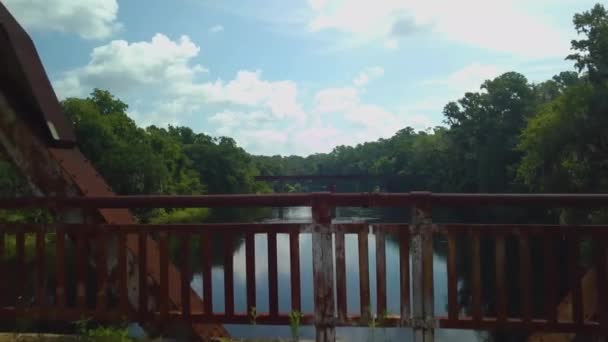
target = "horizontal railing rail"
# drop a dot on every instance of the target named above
(307, 199)
(90, 267)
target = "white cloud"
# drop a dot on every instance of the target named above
(91, 19)
(375, 118)
(120, 67)
(425, 112)
(216, 29)
(248, 89)
(226, 118)
(367, 75)
(391, 44)
(332, 100)
(468, 78)
(345, 103)
(320, 138)
(486, 24)
(165, 72)
(271, 137)
(230, 121)
(317, 4)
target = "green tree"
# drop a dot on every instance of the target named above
(119, 150)
(484, 130)
(565, 146)
(592, 52)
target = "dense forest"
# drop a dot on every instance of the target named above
(510, 136)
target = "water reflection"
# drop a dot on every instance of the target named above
(302, 214)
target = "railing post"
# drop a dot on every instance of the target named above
(422, 320)
(323, 268)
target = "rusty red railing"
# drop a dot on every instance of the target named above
(114, 298)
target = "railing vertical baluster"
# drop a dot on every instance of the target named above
(184, 243)
(102, 271)
(341, 276)
(323, 269)
(404, 274)
(501, 293)
(273, 286)
(143, 275)
(364, 275)
(228, 274)
(599, 251)
(60, 268)
(41, 269)
(123, 292)
(81, 270)
(524, 275)
(206, 263)
(550, 278)
(163, 252)
(427, 267)
(452, 278)
(294, 259)
(574, 277)
(3, 270)
(422, 268)
(20, 277)
(476, 275)
(380, 272)
(250, 270)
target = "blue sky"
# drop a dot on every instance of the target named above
(294, 76)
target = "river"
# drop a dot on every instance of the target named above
(303, 214)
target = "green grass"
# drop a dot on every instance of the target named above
(87, 333)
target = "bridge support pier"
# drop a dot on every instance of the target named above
(423, 313)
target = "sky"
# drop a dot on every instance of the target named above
(294, 76)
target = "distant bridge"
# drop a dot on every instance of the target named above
(354, 177)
